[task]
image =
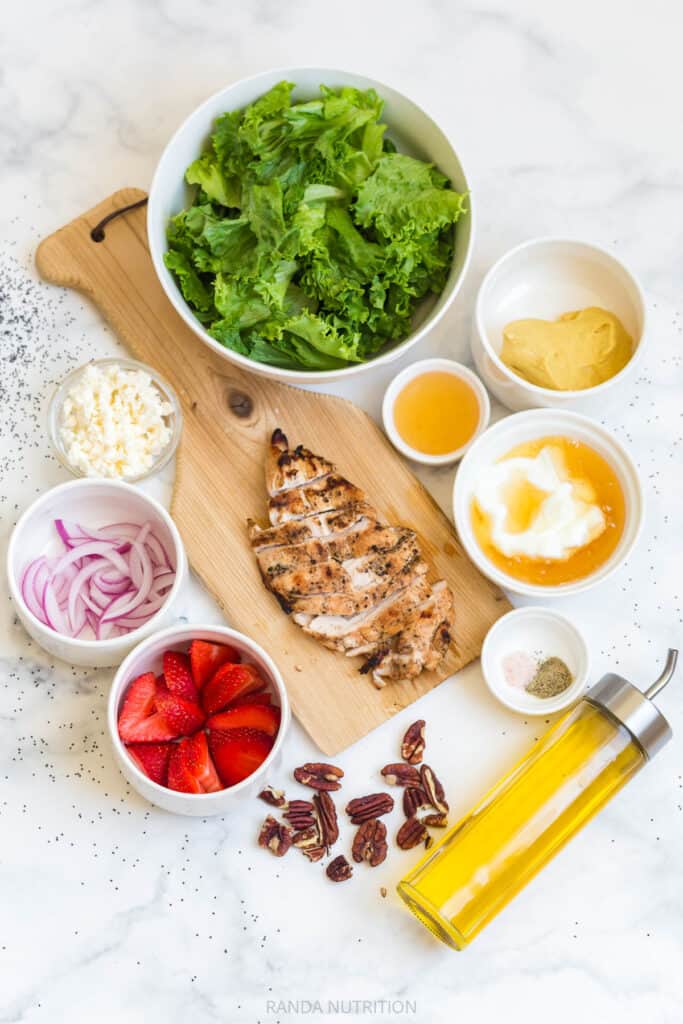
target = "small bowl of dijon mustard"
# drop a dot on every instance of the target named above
(558, 324)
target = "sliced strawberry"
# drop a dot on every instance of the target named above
(200, 763)
(179, 775)
(178, 676)
(252, 698)
(139, 718)
(238, 753)
(206, 658)
(229, 682)
(152, 759)
(191, 769)
(183, 716)
(247, 716)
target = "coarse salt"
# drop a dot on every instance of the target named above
(519, 669)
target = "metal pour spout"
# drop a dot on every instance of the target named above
(667, 672)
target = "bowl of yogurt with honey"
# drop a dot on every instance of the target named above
(547, 503)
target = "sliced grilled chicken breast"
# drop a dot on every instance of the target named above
(354, 583)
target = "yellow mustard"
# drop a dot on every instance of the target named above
(577, 351)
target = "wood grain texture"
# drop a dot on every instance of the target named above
(220, 477)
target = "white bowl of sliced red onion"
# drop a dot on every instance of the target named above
(94, 566)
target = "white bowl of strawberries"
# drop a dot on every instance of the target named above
(197, 716)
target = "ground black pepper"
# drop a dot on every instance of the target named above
(551, 678)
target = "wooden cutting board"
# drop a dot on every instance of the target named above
(228, 418)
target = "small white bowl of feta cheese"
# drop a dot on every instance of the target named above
(114, 419)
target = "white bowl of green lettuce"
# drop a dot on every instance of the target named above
(310, 233)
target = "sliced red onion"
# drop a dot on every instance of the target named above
(79, 619)
(72, 534)
(53, 613)
(143, 612)
(63, 581)
(164, 579)
(28, 587)
(108, 585)
(109, 581)
(101, 548)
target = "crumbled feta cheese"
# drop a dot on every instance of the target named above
(114, 422)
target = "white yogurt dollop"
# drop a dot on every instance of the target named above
(563, 522)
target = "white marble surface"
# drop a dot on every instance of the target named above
(568, 118)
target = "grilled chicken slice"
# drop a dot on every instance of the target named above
(357, 600)
(422, 642)
(332, 525)
(350, 544)
(354, 583)
(287, 468)
(361, 634)
(350, 575)
(329, 492)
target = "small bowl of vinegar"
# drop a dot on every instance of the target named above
(434, 409)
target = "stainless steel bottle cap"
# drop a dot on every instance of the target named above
(635, 709)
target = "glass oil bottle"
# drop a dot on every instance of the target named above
(567, 777)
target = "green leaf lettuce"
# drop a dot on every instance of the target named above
(310, 240)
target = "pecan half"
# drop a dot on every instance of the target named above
(274, 797)
(413, 744)
(299, 814)
(318, 775)
(433, 789)
(411, 833)
(370, 843)
(327, 818)
(435, 820)
(306, 837)
(414, 799)
(401, 775)
(308, 841)
(275, 836)
(339, 869)
(365, 807)
(314, 853)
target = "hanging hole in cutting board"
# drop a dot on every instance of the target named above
(97, 234)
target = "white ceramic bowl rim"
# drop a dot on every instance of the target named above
(116, 694)
(412, 372)
(515, 378)
(609, 441)
(114, 643)
(448, 294)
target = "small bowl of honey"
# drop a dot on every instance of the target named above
(434, 409)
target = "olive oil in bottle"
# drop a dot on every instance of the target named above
(569, 775)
